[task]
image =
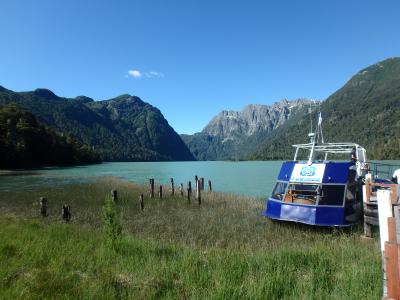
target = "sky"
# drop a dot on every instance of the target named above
(192, 59)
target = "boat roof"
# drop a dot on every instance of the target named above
(329, 147)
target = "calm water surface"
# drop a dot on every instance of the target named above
(254, 178)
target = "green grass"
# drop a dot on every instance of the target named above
(222, 250)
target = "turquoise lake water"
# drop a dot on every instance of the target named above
(255, 178)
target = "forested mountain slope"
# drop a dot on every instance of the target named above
(25, 143)
(121, 129)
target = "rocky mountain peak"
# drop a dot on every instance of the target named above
(253, 118)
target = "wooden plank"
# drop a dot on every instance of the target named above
(392, 270)
(394, 193)
(368, 190)
(371, 220)
(371, 212)
(385, 211)
(392, 230)
(367, 229)
(396, 210)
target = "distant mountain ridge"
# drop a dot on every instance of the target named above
(124, 128)
(233, 134)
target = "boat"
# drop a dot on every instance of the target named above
(320, 191)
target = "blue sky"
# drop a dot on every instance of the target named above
(193, 59)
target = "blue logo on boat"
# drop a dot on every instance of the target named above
(307, 171)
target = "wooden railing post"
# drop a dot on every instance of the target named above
(172, 187)
(198, 192)
(141, 202)
(368, 189)
(160, 192)
(43, 206)
(151, 182)
(189, 191)
(114, 195)
(392, 261)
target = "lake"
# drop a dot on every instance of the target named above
(255, 178)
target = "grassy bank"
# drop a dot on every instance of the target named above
(222, 250)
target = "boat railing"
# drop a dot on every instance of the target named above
(382, 170)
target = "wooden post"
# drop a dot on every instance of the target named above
(202, 183)
(43, 206)
(172, 187)
(367, 228)
(195, 182)
(141, 201)
(385, 212)
(392, 261)
(189, 191)
(160, 192)
(209, 186)
(368, 189)
(114, 195)
(181, 189)
(151, 181)
(394, 193)
(66, 213)
(198, 192)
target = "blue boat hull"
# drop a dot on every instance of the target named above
(310, 214)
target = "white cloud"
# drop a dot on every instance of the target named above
(135, 73)
(153, 74)
(139, 74)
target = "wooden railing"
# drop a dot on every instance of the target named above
(384, 205)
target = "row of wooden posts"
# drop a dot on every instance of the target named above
(199, 187)
(65, 211)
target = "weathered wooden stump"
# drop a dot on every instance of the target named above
(181, 190)
(202, 183)
(114, 195)
(172, 187)
(160, 192)
(198, 192)
(141, 202)
(189, 191)
(195, 181)
(151, 182)
(43, 206)
(66, 213)
(209, 186)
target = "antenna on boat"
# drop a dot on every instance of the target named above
(314, 136)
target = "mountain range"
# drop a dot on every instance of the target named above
(124, 128)
(366, 110)
(235, 134)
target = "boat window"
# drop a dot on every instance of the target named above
(279, 190)
(304, 187)
(331, 195)
(303, 193)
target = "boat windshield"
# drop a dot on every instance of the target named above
(303, 193)
(279, 190)
(315, 194)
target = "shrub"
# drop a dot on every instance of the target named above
(112, 224)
